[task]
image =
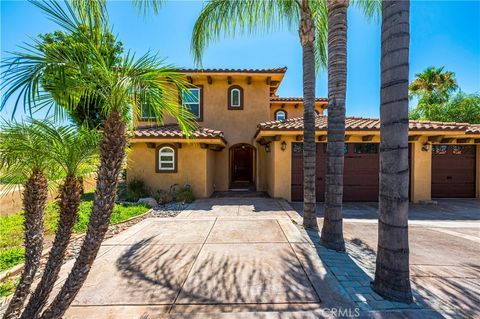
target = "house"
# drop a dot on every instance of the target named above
(248, 137)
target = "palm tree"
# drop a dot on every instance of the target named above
(332, 229)
(23, 161)
(123, 87)
(392, 279)
(75, 151)
(434, 83)
(248, 16)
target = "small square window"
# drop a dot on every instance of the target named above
(146, 111)
(439, 149)
(365, 148)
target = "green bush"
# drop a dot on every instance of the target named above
(7, 286)
(10, 257)
(133, 190)
(184, 195)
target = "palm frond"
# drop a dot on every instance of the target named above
(227, 18)
(145, 6)
(372, 9)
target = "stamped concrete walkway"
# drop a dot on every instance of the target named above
(224, 258)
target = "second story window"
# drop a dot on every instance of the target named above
(192, 100)
(146, 111)
(235, 97)
(280, 115)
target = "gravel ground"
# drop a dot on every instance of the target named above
(168, 210)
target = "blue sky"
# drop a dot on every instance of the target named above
(443, 33)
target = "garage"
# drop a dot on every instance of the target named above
(297, 172)
(360, 172)
(453, 171)
(360, 180)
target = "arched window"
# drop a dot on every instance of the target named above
(280, 115)
(167, 156)
(235, 97)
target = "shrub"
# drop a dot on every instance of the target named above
(10, 257)
(164, 197)
(7, 286)
(184, 195)
(133, 190)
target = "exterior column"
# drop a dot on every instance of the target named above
(283, 168)
(421, 172)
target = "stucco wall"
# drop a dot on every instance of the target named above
(291, 110)
(420, 172)
(191, 169)
(210, 180)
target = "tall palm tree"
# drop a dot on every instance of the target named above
(123, 86)
(75, 151)
(392, 279)
(23, 161)
(332, 229)
(248, 16)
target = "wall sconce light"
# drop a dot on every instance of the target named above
(426, 146)
(267, 148)
(283, 146)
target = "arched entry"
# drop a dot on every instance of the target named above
(242, 164)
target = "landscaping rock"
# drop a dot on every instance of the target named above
(149, 201)
(169, 210)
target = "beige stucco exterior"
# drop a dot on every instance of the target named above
(208, 170)
(193, 165)
(294, 109)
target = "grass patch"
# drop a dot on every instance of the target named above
(7, 286)
(11, 227)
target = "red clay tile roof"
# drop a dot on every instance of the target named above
(360, 123)
(295, 99)
(473, 129)
(271, 70)
(174, 131)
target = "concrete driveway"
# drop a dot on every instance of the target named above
(444, 250)
(228, 258)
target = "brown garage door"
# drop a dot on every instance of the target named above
(453, 171)
(360, 182)
(297, 172)
(360, 172)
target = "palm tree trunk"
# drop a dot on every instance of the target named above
(307, 37)
(35, 196)
(332, 230)
(70, 193)
(392, 277)
(112, 152)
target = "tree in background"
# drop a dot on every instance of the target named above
(440, 99)
(433, 85)
(88, 111)
(23, 160)
(122, 87)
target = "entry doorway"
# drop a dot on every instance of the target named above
(242, 164)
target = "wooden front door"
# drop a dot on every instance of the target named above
(242, 163)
